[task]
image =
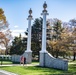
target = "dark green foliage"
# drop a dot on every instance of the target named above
(18, 46)
(36, 36)
(57, 28)
(37, 29)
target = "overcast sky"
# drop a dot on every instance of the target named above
(16, 11)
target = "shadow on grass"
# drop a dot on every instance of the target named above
(45, 70)
(72, 69)
(40, 70)
(51, 71)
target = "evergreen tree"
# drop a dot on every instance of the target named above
(57, 29)
(18, 46)
(36, 36)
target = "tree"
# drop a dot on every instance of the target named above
(73, 36)
(2, 16)
(59, 44)
(73, 43)
(73, 22)
(57, 29)
(4, 31)
(36, 36)
(18, 45)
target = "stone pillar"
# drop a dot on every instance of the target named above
(29, 32)
(46, 59)
(43, 51)
(28, 52)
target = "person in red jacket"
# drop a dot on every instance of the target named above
(22, 60)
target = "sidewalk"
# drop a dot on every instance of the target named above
(21, 65)
(3, 72)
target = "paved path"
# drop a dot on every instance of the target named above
(21, 65)
(2, 72)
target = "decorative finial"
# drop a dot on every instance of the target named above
(30, 16)
(30, 11)
(45, 5)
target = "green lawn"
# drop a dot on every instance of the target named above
(34, 70)
(5, 62)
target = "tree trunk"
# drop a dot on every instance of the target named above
(57, 53)
(74, 54)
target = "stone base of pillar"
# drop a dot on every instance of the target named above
(47, 60)
(42, 59)
(28, 56)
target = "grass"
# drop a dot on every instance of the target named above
(5, 62)
(34, 70)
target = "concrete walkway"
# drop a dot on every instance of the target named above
(2, 72)
(21, 65)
